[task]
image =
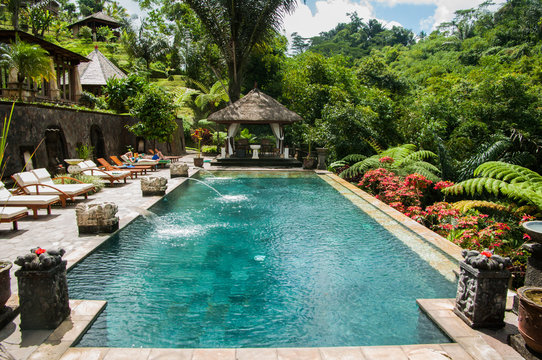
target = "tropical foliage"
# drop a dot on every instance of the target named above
(402, 160)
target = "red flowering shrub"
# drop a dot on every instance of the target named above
(386, 160)
(443, 185)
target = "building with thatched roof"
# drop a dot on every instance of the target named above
(94, 21)
(255, 108)
(65, 87)
(95, 73)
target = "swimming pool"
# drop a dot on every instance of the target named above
(283, 260)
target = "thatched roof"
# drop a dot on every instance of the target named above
(99, 17)
(98, 70)
(255, 108)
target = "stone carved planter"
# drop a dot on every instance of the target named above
(153, 185)
(530, 316)
(97, 218)
(482, 289)
(43, 289)
(178, 170)
(5, 282)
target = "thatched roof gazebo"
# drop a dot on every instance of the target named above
(255, 108)
(95, 73)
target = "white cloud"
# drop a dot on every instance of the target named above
(328, 14)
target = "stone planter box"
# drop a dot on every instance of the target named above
(43, 297)
(178, 170)
(481, 296)
(5, 282)
(153, 186)
(97, 218)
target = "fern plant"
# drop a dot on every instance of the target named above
(407, 159)
(502, 179)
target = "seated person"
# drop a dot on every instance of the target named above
(158, 155)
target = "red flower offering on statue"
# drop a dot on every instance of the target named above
(486, 253)
(40, 251)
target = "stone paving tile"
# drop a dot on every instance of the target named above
(170, 354)
(456, 351)
(298, 354)
(213, 354)
(84, 354)
(384, 353)
(256, 353)
(342, 353)
(127, 354)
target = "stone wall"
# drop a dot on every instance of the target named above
(34, 124)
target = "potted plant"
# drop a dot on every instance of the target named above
(200, 135)
(84, 151)
(5, 282)
(530, 313)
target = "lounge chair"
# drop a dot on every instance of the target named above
(12, 214)
(120, 164)
(90, 168)
(172, 158)
(133, 171)
(39, 182)
(139, 161)
(32, 202)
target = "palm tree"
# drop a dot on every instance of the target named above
(29, 60)
(145, 44)
(236, 26)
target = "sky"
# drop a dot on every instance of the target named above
(314, 16)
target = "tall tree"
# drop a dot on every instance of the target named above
(145, 44)
(236, 26)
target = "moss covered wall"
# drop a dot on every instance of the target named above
(32, 124)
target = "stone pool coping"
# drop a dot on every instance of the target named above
(469, 343)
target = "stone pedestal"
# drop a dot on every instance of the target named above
(97, 218)
(43, 290)
(178, 170)
(286, 152)
(153, 185)
(322, 156)
(255, 149)
(533, 274)
(481, 296)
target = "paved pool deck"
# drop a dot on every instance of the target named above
(59, 230)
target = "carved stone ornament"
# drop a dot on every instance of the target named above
(153, 185)
(482, 289)
(43, 289)
(97, 218)
(178, 170)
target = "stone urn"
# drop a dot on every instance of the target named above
(97, 218)
(198, 161)
(43, 289)
(5, 282)
(322, 156)
(153, 186)
(482, 289)
(178, 169)
(530, 316)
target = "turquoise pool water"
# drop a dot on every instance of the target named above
(290, 262)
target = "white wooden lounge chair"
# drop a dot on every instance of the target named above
(90, 168)
(33, 202)
(12, 214)
(127, 160)
(42, 184)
